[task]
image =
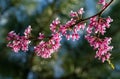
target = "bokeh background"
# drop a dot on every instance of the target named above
(74, 60)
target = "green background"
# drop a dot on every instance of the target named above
(74, 60)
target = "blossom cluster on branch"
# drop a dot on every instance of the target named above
(18, 42)
(97, 26)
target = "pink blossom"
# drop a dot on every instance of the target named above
(78, 27)
(93, 41)
(103, 2)
(12, 35)
(108, 21)
(68, 36)
(54, 24)
(68, 27)
(62, 29)
(81, 11)
(70, 23)
(89, 30)
(42, 50)
(45, 49)
(41, 36)
(98, 25)
(75, 36)
(102, 46)
(19, 42)
(27, 31)
(73, 14)
(15, 45)
(101, 28)
(83, 25)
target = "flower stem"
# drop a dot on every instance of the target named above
(111, 64)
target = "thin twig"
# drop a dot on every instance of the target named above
(99, 13)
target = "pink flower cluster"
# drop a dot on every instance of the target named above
(19, 42)
(102, 46)
(76, 14)
(54, 24)
(71, 29)
(99, 25)
(96, 27)
(45, 49)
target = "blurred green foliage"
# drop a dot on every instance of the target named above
(74, 60)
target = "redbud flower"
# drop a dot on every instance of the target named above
(102, 46)
(70, 23)
(81, 11)
(75, 36)
(41, 36)
(68, 36)
(62, 29)
(54, 25)
(103, 2)
(19, 42)
(27, 31)
(99, 25)
(108, 21)
(73, 14)
(45, 49)
(104, 49)
(12, 35)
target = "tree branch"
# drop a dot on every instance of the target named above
(99, 13)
